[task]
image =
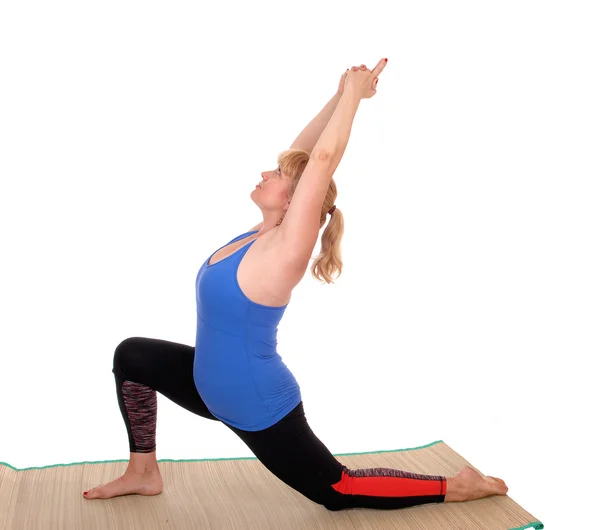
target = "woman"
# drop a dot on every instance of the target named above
(234, 373)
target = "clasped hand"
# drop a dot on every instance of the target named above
(361, 80)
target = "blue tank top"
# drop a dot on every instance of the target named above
(237, 370)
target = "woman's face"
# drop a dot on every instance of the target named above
(272, 191)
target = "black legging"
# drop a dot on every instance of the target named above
(289, 449)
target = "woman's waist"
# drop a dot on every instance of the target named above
(261, 340)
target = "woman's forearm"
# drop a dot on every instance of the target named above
(335, 137)
(307, 139)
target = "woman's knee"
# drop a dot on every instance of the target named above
(334, 501)
(124, 353)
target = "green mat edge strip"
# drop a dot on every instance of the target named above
(535, 524)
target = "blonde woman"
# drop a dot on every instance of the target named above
(234, 373)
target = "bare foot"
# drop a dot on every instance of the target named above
(147, 484)
(469, 485)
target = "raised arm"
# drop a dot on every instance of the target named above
(300, 228)
(309, 136)
(307, 139)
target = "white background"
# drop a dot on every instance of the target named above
(468, 310)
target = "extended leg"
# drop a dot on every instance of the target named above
(292, 452)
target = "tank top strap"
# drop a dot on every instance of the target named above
(240, 237)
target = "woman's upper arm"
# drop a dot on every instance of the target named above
(297, 145)
(300, 227)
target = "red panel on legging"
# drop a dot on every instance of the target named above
(384, 482)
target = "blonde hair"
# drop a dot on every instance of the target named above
(329, 261)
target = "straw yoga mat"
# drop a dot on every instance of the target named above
(237, 493)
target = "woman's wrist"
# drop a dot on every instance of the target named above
(351, 95)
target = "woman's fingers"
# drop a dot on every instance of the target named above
(379, 67)
(376, 71)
